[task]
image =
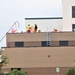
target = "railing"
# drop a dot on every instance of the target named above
(10, 29)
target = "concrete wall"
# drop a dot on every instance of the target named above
(67, 14)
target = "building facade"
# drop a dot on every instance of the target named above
(68, 15)
(30, 52)
(46, 52)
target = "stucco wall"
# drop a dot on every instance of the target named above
(67, 14)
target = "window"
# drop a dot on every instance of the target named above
(15, 68)
(73, 27)
(45, 43)
(73, 11)
(63, 43)
(19, 44)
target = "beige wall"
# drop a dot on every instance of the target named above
(40, 60)
(67, 14)
(46, 71)
(41, 70)
(40, 57)
(57, 36)
(35, 39)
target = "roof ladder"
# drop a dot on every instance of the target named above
(48, 42)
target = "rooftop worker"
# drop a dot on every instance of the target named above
(32, 29)
(55, 30)
(28, 28)
(35, 27)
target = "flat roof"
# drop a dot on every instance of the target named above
(43, 18)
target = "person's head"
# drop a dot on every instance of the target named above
(35, 24)
(28, 24)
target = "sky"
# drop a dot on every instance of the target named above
(18, 10)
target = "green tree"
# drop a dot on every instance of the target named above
(17, 72)
(71, 71)
(1, 73)
(4, 61)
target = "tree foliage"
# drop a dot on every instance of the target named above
(17, 72)
(1, 73)
(71, 71)
(4, 60)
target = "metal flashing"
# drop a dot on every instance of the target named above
(44, 18)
